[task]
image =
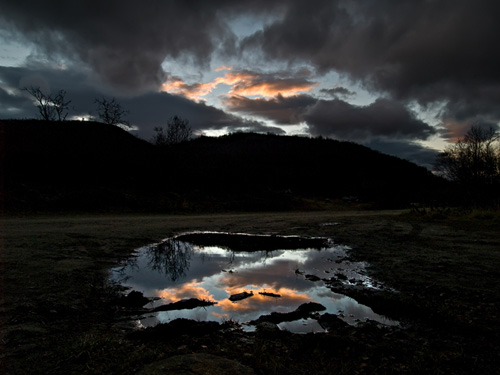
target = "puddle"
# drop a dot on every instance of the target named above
(244, 277)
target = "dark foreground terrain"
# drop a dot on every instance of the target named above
(59, 315)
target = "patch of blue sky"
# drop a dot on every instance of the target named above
(12, 54)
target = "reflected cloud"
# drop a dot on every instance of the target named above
(190, 290)
(182, 271)
(223, 67)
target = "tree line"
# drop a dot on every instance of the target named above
(473, 162)
(110, 111)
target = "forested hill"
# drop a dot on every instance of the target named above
(92, 166)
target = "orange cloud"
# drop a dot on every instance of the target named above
(249, 83)
(194, 92)
(243, 83)
(191, 290)
(223, 67)
(290, 299)
(272, 88)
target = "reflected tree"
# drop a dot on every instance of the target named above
(171, 257)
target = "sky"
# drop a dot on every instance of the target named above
(404, 77)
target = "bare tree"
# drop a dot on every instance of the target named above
(51, 108)
(111, 112)
(159, 138)
(60, 105)
(473, 159)
(176, 131)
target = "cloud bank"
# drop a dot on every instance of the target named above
(440, 56)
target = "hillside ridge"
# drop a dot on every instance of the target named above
(76, 165)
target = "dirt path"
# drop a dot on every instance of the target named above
(57, 316)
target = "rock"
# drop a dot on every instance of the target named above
(310, 307)
(312, 277)
(240, 296)
(302, 312)
(332, 322)
(269, 294)
(184, 304)
(196, 364)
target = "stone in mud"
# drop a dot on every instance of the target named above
(185, 304)
(331, 322)
(302, 312)
(196, 364)
(268, 294)
(240, 296)
(310, 307)
(312, 277)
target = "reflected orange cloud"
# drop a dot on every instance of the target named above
(223, 67)
(191, 290)
(289, 297)
(244, 83)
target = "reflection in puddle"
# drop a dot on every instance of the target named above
(245, 284)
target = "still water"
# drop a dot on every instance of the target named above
(216, 266)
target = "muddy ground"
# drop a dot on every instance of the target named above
(59, 315)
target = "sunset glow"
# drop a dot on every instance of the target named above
(222, 66)
(189, 290)
(243, 83)
(232, 281)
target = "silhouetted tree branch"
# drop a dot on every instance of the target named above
(111, 112)
(176, 131)
(61, 106)
(474, 162)
(473, 159)
(50, 108)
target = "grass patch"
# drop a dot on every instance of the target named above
(445, 272)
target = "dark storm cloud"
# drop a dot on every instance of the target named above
(413, 50)
(12, 106)
(413, 152)
(146, 111)
(384, 125)
(400, 46)
(383, 117)
(282, 110)
(15, 102)
(155, 109)
(478, 105)
(337, 118)
(338, 92)
(437, 53)
(123, 42)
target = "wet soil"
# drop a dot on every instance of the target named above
(60, 315)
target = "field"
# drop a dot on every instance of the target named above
(59, 315)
